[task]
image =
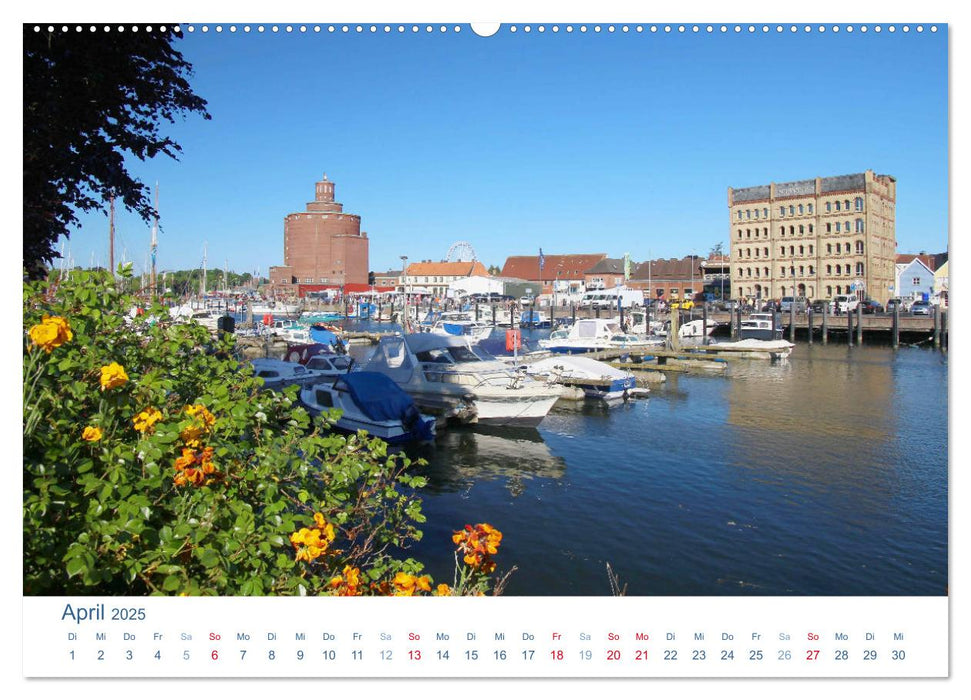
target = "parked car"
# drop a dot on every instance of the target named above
(801, 304)
(819, 304)
(920, 308)
(871, 306)
(845, 303)
(904, 304)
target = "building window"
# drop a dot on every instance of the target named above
(829, 269)
(674, 292)
(765, 251)
(739, 214)
(829, 291)
(846, 204)
(792, 250)
(837, 205)
(802, 271)
(829, 228)
(859, 225)
(838, 227)
(810, 250)
(859, 203)
(765, 212)
(748, 233)
(839, 289)
(756, 272)
(829, 207)
(810, 208)
(782, 272)
(782, 231)
(748, 252)
(859, 247)
(308, 280)
(688, 292)
(766, 271)
(740, 233)
(756, 213)
(792, 210)
(859, 268)
(802, 229)
(800, 210)
(810, 228)
(756, 252)
(801, 250)
(782, 211)
(812, 270)
(792, 230)
(915, 281)
(748, 213)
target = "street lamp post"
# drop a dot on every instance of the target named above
(404, 290)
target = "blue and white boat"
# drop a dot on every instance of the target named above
(372, 402)
(596, 379)
(460, 323)
(536, 319)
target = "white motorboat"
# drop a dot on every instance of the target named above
(592, 334)
(441, 372)
(696, 328)
(597, 380)
(280, 308)
(278, 374)
(372, 402)
(760, 327)
(460, 323)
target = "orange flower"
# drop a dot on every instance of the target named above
(312, 543)
(145, 421)
(348, 583)
(477, 545)
(91, 434)
(407, 584)
(113, 376)
(50, 333)
(443, 590)
(193, 467)
(202, 413)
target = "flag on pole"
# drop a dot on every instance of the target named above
(542, 260)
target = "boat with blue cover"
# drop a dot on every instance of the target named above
(372, 402)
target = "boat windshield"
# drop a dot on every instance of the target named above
(448, 355)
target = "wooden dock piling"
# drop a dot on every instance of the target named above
(809, 317)
(825, 324)
(859, 324)
(895, 330)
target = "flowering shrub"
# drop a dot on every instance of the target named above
(153, 464)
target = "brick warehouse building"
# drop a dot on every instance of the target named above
(815, 238)
(323, 248)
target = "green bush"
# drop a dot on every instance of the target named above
(153, 464)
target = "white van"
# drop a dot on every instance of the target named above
(607, 298)
(845, 303)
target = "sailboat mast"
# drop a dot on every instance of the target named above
(202, 286)
(111, 234)
(154, 241)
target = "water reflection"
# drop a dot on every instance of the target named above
(463, 456)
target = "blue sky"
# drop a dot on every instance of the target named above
(573, 142)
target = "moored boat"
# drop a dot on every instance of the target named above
(372, 402)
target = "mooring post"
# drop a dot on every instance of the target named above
(859, 324)
(532, 314)
(944, 332)
(825, 323)
(738, 322)
(809, 325)
(792, 320)
(849, 328)
(895, 329)
(597, 309)
(647, 319)
(937, 326)
(774, 324)
(704, 324)
(574, 312)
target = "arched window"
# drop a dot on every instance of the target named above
(765, 251)
(748, 213)
(782, 231)
(748, 252)
(839, 225)
(829, 227)
(829, 207)
(765, 232)
(810, 250)
(782, 211)
(837, 205)
(801, 250)
(792, 210)
(810, 208)
(739, 214)
(829, 291)
(802, 271)
(812, 270)
(756, 252)
(748, 233)
(859, 203)
(748, 270)
(859, 247)
(740, 272)
(859, 225)
(782, 272)
(765, 271)
(846, 204)
(802, 229)
(859, 268)
(800, 210)
(839, 289)
(792, 250)
(829, 269)
(765, 212)
(792, 230)
(810, 228)
(782, 250)
(756, 272)
(829, 249)
(740, 233)
(792, 270)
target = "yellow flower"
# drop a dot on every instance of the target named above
(91, 434)
(202, 413)
(314, 542)
(348, 583)
(50, 333)
(443, 589)
(113, 376)
(146, 419)
(407, 584)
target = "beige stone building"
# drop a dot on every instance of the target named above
(814, 238)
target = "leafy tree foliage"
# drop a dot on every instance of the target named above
(90, 99)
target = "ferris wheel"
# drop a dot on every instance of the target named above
(461, 251)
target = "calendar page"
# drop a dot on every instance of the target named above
(374, 345)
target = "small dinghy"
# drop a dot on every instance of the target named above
(372, 402)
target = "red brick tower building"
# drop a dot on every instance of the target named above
(323, 247)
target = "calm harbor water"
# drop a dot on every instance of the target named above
(823, 475)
